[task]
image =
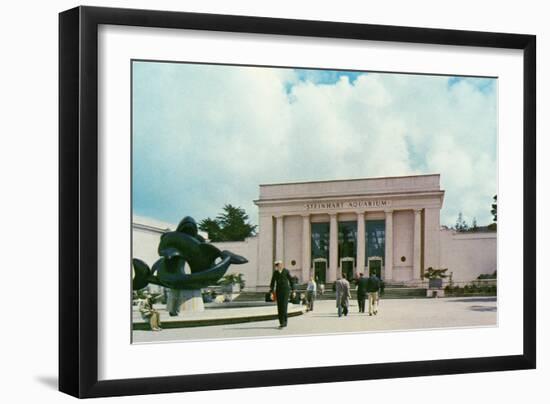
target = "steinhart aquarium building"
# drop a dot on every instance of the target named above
(389, 226)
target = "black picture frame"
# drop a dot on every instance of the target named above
(78, 200)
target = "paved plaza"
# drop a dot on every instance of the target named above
(393, 314)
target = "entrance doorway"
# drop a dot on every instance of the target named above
(346, 266)
(320, 270)
(375, 266)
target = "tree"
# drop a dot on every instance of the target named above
(493, 226)
(461, 224)
(231, 225)
(212, 227)
(494, 209)
(474, 225)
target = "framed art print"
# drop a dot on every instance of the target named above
(233, 187)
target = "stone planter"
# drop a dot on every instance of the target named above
(231, 291)
(231, 288)
(435, 293)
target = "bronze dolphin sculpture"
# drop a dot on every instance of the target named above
(206, 262)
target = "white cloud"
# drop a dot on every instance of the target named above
(212, 134)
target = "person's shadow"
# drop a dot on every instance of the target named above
(49, 381)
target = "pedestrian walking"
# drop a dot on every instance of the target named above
(311, 291)
(373, 289)
(343, 295)
(282, 285)
(361, 292)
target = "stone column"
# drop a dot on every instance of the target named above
(280, 240)
(361, 242)
(333, 245)
(366, 245)
(388, 258)
(417, 244)
(265, 250)
(306, 248)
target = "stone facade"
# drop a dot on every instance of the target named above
(407, 207)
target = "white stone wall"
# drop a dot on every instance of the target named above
(431, 238)
(249, 250)
(468, 255)
(145, 244)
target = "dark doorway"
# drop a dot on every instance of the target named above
(320, 271)
(347, 269)
(375, 267)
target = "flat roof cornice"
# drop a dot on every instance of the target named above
(150, 228)
(364, 187)
(350, 180)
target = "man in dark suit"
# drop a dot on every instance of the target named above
(282, 284)
(361, 292)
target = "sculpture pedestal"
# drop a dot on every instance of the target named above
(191, 301)
(184, 301)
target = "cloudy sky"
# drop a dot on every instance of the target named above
(206, 135)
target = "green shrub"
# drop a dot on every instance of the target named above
(470, 289)
(488, 276)
(232, 279)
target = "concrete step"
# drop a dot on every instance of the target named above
(250, 297)
(404, 293)
(389, 293)
(225, 313)
(401, 292)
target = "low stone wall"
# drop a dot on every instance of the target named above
(468, 255)
(248, 249)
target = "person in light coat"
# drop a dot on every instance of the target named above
(311, 291)
(343, 295)
(148, 312)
